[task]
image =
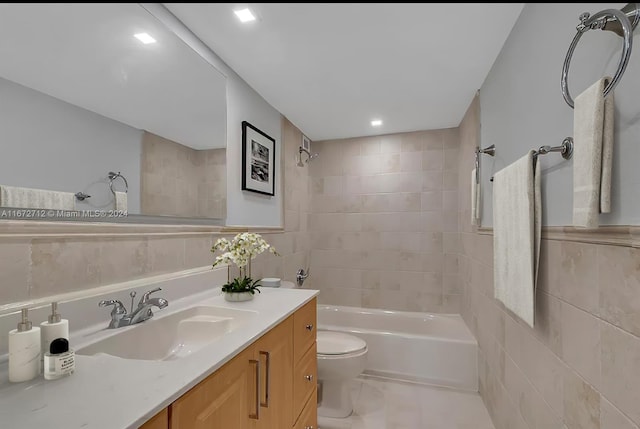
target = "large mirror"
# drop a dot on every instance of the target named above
(105, 114)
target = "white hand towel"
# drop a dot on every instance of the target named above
(27, 198)
(593, 154)
(475, 199)
(121, 201)
(516, 236)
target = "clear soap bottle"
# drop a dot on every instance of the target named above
(59, 361)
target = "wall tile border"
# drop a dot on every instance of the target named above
(623, 235)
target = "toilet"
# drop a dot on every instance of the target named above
(341, 358)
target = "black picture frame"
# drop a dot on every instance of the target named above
(258, 161)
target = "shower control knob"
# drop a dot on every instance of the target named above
(309, 377)
(309, 327)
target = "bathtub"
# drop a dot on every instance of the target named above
(436, 349)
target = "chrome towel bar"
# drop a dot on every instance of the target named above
(565, 149)
(490, 150)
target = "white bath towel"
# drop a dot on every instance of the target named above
(516, 236)
(475, 199)
(593, 155)
(28, 198)
(121, 201)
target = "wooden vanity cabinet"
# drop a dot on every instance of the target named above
(269, 385)
(159, 421)
(305, 369)
(223, 400)
(274, 351)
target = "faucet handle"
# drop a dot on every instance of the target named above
(145, 296)
(118, 314)
(118, 307)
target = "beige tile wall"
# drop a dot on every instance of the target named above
(293, 243)
(179, 181)
(383, 221)
(580, 367)
(39, 267)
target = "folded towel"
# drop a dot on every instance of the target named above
(475, 199)
(121, 201)
(593, 154)
(27, 198)
(516, 236)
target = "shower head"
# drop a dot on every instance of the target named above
(302, 150)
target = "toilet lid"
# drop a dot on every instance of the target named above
(337, 343)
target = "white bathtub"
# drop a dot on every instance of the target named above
(430, 348)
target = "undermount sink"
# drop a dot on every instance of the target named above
(172, 337)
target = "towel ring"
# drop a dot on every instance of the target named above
(113, 176)
(608, 19)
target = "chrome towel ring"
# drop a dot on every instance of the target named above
(113, 176)
(621, 22)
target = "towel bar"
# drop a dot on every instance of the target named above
(565, 149)
(622, 22)
(490, 150)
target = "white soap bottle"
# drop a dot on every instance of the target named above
(24, 351)
(55, 327)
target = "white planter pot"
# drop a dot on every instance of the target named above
(238, 296)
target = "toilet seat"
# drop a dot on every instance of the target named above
(336, 344)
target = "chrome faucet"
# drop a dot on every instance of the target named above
(120, 317)
(301, 276)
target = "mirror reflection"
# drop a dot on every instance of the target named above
(106, 113)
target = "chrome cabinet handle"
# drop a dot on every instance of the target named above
(308, 427)
(309, 327)
(309, 377)
(267, 355)
(256, 416)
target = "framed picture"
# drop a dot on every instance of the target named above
(258, 161)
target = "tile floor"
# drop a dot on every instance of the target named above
(385, 404)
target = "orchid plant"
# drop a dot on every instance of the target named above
(240, 251)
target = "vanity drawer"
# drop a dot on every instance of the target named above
(309, 417)
(305, 379)
(304, 329)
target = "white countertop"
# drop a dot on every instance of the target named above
(107, 392)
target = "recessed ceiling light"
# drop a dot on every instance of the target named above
(244, 15)
(376, 122)
(144, 38)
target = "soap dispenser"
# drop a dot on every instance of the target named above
(24, 351)
(55, 327)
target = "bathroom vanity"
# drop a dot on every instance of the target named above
(270, 384)
(260, 373)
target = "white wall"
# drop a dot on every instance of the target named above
(522, 107)
(243, 104)
(50, 144)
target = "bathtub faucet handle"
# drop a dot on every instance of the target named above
(301, 276)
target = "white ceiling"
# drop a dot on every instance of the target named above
(86, 55)
(331, 68)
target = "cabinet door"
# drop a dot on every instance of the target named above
(304, 329)
(274, 351)
(305, 379)
(224, 400)
(159, 421)
(309, 417)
